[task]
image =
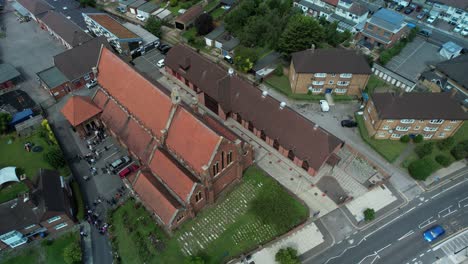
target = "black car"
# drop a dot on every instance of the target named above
(164, 49)
(348, 123)
(399, 8)
(409, 10)
(162, 46)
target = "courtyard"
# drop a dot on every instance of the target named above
(219, 233)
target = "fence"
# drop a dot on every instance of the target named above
(393, 78)
(28, 127)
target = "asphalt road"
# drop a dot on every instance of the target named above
(439, 37)
(398, 238)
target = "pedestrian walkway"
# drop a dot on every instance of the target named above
(406, 152)
(458, 168)
(456, 248)
(86, 243)
(376, 199)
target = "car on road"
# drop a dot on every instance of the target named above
(348, 123)
(409, 10)
(399, 8)
(426, 32)
(140, 17)
(458, 28)
(324, 106)
(229, 59)
(160, 63)
(164, 48)
(431, 19)
(464, 32)
(433, 233)
(91, 84)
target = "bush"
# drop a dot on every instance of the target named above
(279, 70)
(369, 214)
(173, 2)
(287, 256)
(72, 253)
(443, 160)
(422, 168)
(460, 151)
(55, 157)
(446, 143)
(405, 139)
(418, 138)
(424, 150)
(194, 260)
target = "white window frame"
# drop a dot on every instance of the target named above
(427, 136)
(417, 127)
(442, 134)
(402, 129)
(318, 83)
(30, 226)
(341, 91)
(320, 75)
(331, 82)
(386, 127)
(380, 134)
(436, 121)
(342, 83)
(407, 121)
(448, 128)
(53, 219)
(316, 90)
(346, 75)
(430, 129)
(396, 135)
(60, 226)
(453, 121)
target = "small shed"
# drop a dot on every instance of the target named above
(213, 35)
(125, 3)
(226, 43)
(162, 14)
(184, 21)
(266, 65)
(450, 50)
(9, 76)
(147, 9)
(133, 7)
(21, 116)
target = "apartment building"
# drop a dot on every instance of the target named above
(433, 115)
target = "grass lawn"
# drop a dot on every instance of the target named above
(389, 149)
(375, 83)
(11, 191)
(29, 256)
(211, 5)
(221, 232)
(217, 13)
(197, 42)
(282, 85)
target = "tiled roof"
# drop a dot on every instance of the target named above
(114, 117)
(134, 92)
(188, 133)
(461, 4)
(173, 175)
(66, 29)
(455, 69)
(424, 106)
(220, 128)
(155, 196)
(113, 26)
(309, 143)
(100, 99)
(330, 61)
(36, 7)
(190, 15)
(79, 109)
(358, 9)
(136, 139)
(331, 2)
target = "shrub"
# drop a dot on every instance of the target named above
(446, 143)
(287, 256)
(173, 3)
(369, 214)
(5, 119)
(460, 151)
(418, 138)
(405, 139)
(422, 168)
(279, 70)
(443, 160)
(55, 157)
(72, 253)
(194, 260)
(425, 149)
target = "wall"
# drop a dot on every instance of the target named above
(59, 91)
(392, 37)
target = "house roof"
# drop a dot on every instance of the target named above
(137, 3)
(148, 7)
(8, 72)
(308, 142)
(176, 177)
(72, 10)
(126, 2)
(17, 214)
(358, 9)
(387, 19)
(215, 33)
(190, 15)
(121, 80)
(141, 32)
(52, 187)
(52, 77)
(330, 61)
(461, 4)
(422, 106)
(228, 41)
(113, 26)
(187, 133)
(268, 60)
(66, 29)
(155, 196)
(331, 2)
(36, 7)
(76, 62)
(78, 109)
(455, 69)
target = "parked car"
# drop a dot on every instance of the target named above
(458, 28)
(121, 9)
(324, 106)
(434, 232)
(118, 163)
(348, 123)
(229, 59)
(421, 15)
(164, 48)
(418, 8)
(426, 32)
(160, 63)
(431, 19)
(464, 32)
(91, 84)
(140, 17)
(409, 10)
(127, 170)
(399, 8)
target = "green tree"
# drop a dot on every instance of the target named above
(443, 160)
(287, 256)
(195, 260)
(405, 139)
(173, 2)
(55, 157)
(245, 58)
(85, 3)
(333, 36)
(369, 214)
(445, 144)
(153, 25)
(418, 138)
(72, 253)
(5, 119)
(460, 151)
(204, 24)
(425, 149)
(300, 33)
(420, 169)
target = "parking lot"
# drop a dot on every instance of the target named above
(415, 58)
(148, 63)
(30, 49)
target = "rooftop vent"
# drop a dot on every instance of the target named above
(69, 17)
(264, 94)
(282, 105)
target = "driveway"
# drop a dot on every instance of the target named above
(147, 63)
(30, 49)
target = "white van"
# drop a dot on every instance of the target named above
(324, 106)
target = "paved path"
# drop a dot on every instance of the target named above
(406, 152)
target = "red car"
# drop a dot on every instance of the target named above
(127, 170)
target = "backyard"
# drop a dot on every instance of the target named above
(219, 233)
(375, 83)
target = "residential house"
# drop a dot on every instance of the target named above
(186, 20)
(148, 40)
(9, 76)
(54, 82)
(229, 96)
(133, 7)
(82, 114)
(226, 43)
(125, 3)
(147, 9)
(67, 32)
(188, 159)
(312, 8)
(36, 8)
(383, 29)
(47, 208)
(213, 35)
(455, 11)
(433, 115)
(321, 71)
(350, 15)
(118, 36)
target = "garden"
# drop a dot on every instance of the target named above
(255, 212)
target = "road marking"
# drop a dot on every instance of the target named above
(406, 235)
(414, 259)
(448, 213)
(383, 248)
(460, 202)
(420, 204)
(429, 250)
(111, 155)
(434, 196)
(426, 223)
(421, 255)
(376, 257)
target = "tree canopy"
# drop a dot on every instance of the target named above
(5, 120)
(245, 58)
(153, 25)
(300, 33)
(287, 256)
(204, 24)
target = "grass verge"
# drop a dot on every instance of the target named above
(78, 200)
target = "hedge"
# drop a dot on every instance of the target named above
(443, 160)
(418, 138)
(446, 143)
(422, 168)
(425, 149)
(460, 151)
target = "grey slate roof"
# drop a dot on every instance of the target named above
(65, 28)
(7, 72)
(330, 61)
(36, 7)
(387, 19)
(456, 69)
(424, 106)
(126, 2)
(148, 7)
(72, 9)
(271, 58)
(229, 41)
(52, 77)
(76, 62)
(137, 3)
(215, 33)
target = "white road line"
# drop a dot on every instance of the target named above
(411, 209)
(459, 202)
(406, 235)
(375, 254)
(414, 259)
(434, 196)
(429, 250)
(421, 255)
(376, 257)
(383, 248)
(426, 223)
(450, 213)
(111, 155)
(446, 209)
(420, 204)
